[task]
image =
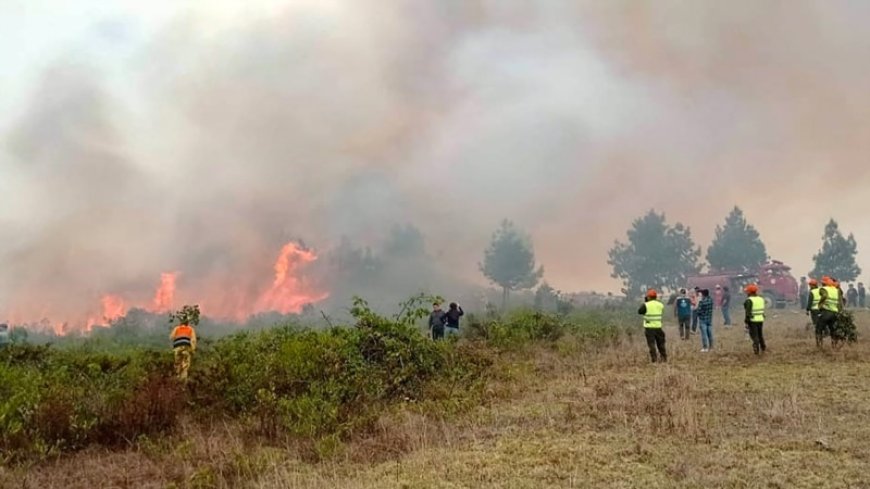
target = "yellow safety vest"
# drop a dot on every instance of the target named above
(757, 315)
(816, 294)
(833, 302)
(655, 311)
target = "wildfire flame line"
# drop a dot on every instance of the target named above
(287, 293)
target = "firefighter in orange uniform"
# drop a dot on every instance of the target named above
(183, 339)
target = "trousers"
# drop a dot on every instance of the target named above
(756, 332)
(183, 356)
(655, 340)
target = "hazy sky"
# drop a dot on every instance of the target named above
(140, 137)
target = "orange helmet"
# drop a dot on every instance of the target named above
(751, 289)
(651, 294)
(828, 281)
(814, 281)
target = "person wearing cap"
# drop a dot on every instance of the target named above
(754, 307)
(653, 312)
(815, 298)
(830, 305)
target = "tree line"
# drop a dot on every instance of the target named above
(655, 254)
(661, 256)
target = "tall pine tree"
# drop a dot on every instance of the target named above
(737, 245)
(837, 256)
(656, 255)
(509, 261)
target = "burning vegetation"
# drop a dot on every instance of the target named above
(288, 293)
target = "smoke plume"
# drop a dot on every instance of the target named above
(325, 121)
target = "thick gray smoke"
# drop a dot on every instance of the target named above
(343, 119)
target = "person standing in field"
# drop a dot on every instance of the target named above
(726, 306)
(683, 312)
(705, 320)
(696, 296)
(183, 339)
(803, 292)
(813, 309)
(4, 335)
(453, 314)
(754, 308)
(653, 313)
(862, 295)
(437, 322)
(852, 296)
(830, 305)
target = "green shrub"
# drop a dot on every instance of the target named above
(319, 387)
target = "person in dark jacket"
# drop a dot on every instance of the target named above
(852, 296)
(683, 311)
(453, 314)
(726, 305)
(437, 322)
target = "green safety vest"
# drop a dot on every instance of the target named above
(816, 294)
(655, 311)
(757, 315)
(833, 302)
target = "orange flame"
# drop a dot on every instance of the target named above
(165, 295)
(287, 294)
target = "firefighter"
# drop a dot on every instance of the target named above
(830, 305)
(183, 339)
(813, 307)
(653, 313)
(754, 307)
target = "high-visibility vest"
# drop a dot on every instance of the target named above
(655, 311)
(816, 295)
(832, 303)
(757, 314)
(182, 336)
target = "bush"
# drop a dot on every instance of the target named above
(318, 387)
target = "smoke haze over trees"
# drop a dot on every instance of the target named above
(509, 260)
(656, 256)
(200, 140)
(737, 245)
(836, 258)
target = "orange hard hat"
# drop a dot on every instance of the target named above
(751, 289)
(651, 294)
(814, 281)
(827, 280)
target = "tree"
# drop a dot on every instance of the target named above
(656, 256)
(737, 245)
(405, 242)
(509, 261)
(837, 256)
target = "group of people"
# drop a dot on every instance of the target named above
(444, 323)
(824, 307)
(696, 309)
(853, 297)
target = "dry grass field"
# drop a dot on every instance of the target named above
(795, 417)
